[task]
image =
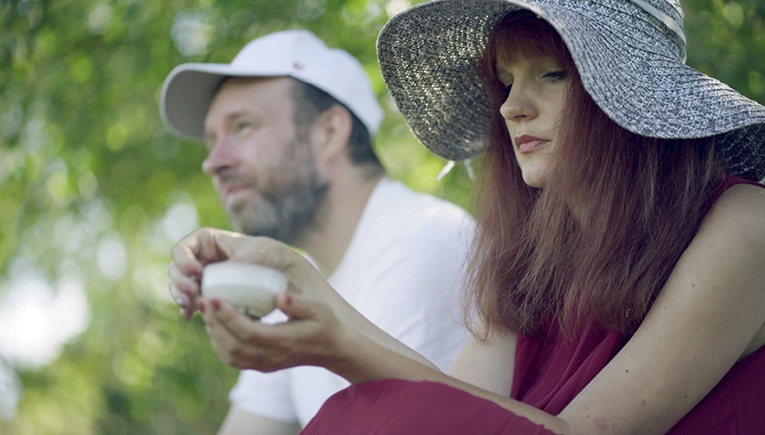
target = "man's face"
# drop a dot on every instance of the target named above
(262, 166)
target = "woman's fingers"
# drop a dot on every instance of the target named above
(224, 342)
(237, 339)
(297, 306)
(207, 245)
(311, 334)
(185, 255)
(204, 246)
(184, 284)
(247, 344)
(184, 289)
(183, 301)
(189, 256)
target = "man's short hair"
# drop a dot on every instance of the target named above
(311, 101)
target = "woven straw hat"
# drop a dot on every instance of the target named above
(629, 53)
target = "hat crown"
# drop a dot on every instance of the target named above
(670, 13)
(303, 56)
(661, 18)
(285, 45)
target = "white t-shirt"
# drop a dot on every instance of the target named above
(403, 270)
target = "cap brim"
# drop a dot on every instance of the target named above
(188, 91)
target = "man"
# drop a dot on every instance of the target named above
(288, 125)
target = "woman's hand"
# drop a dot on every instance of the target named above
(322, 330)
(312, 336)
(313, 332)
(207, 245)
(190, 255)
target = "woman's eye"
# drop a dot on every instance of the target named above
(556, 76)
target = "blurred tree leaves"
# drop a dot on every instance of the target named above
(95, 191)
(726, 40)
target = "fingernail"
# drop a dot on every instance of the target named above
(288, 299)
(180, 301)
(215, 304)
(201, 306)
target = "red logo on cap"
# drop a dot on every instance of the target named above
(297, 66)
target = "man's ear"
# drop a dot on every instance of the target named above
(332, 131)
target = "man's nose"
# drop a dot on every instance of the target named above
(220, 156)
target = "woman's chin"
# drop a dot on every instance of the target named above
(534, 179)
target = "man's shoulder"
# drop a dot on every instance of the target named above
(394, 199)
(399, 213)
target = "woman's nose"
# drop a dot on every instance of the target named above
(518, 104)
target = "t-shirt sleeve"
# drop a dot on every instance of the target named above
(264, 394)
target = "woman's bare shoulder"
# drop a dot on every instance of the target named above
(744, 204)
(709, 314)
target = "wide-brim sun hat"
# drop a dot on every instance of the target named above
(190, 88)
(630, 55)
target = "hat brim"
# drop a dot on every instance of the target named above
(429, 58)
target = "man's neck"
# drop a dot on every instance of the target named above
(345, 203)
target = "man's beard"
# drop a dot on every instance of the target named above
(284, 213)
(288, 204)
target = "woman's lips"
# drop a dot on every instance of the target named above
(527, 143)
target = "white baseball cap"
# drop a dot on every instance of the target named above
(190, 88)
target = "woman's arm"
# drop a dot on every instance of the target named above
(487, 363)
(324, 330)
(316, 323)
(710, 314)
(356, 356)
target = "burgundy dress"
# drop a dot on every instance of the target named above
(548, 375)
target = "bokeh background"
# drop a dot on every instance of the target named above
(94, 193)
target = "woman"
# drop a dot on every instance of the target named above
(617, 275)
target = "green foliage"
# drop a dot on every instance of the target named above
(95, 191)
(727, 41)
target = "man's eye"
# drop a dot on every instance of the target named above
(242, 128)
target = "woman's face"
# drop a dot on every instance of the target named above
(536, 89)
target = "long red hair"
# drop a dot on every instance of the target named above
(537, 269)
